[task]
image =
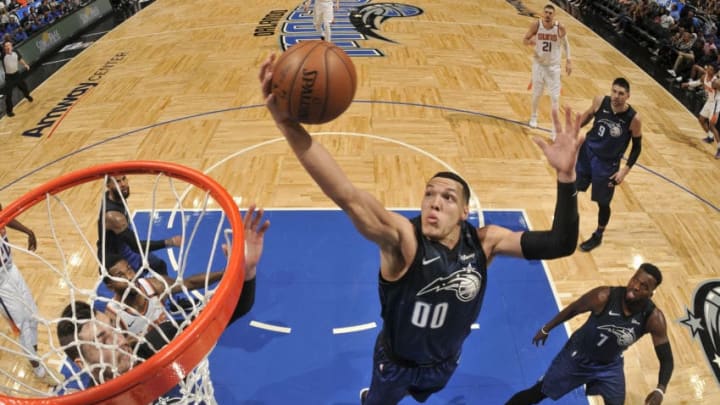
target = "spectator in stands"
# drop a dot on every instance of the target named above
(709, 56)
(685, 61)
(682, 52)
(666, 20)
(19, 35)
(14, 19)
(675, 12)
(640, 15)
(687, 20)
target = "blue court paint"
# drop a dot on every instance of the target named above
(318, 273)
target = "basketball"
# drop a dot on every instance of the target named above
(314, 82)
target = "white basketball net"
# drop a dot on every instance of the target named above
(66, 265)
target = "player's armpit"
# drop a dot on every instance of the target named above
(496, 240)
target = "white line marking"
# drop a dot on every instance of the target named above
(548, 275)
(176, 32)
(475, 326)
(56, 61)
(267, 326)
(475, 206)
(355, 328)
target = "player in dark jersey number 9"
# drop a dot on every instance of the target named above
(593, 355)
(615, 125)
(433, 267)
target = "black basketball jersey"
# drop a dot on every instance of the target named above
(428, 312)
(610, 134)
(604, 337)
(113, 243)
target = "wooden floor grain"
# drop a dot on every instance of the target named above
(450, 93)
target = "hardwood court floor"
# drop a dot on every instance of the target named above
(177, 82)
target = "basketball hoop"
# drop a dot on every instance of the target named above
(167, 368)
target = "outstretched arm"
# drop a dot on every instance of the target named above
(562, 238)
(658, 330)
(593, 300)
(16, 225)
(117, 223)
(255, 229)
(392, 232)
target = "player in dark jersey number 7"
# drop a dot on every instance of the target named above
(433, 267)
(593, 355)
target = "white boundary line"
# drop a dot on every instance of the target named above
(549, 276)
(354, 328)
(273, 328)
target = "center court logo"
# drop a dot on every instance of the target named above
(54, 116)
(355, 21)
(704, 322)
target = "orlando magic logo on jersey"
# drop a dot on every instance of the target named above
(604, 337)
(610, 133)
(431, 308)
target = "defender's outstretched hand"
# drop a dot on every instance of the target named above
(562, 154)
(255, 229)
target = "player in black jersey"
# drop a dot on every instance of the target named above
(615, 124)
(593, 355)
(117, 236)
(103, 351)
(433, 268)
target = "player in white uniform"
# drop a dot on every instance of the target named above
(17, 304)
(139, 320)
(139, 302)
(708, 116)
(323, 16)
(547, 36)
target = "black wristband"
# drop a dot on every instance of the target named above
(155, 244)
(634, 151)
(664, 354)
(246, 300)
(561, 239)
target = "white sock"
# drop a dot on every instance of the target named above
(710, 135)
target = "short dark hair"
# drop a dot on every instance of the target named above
(550, 6)
(652, 270)
(454, 176)
(622, 82)
(73, 317)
